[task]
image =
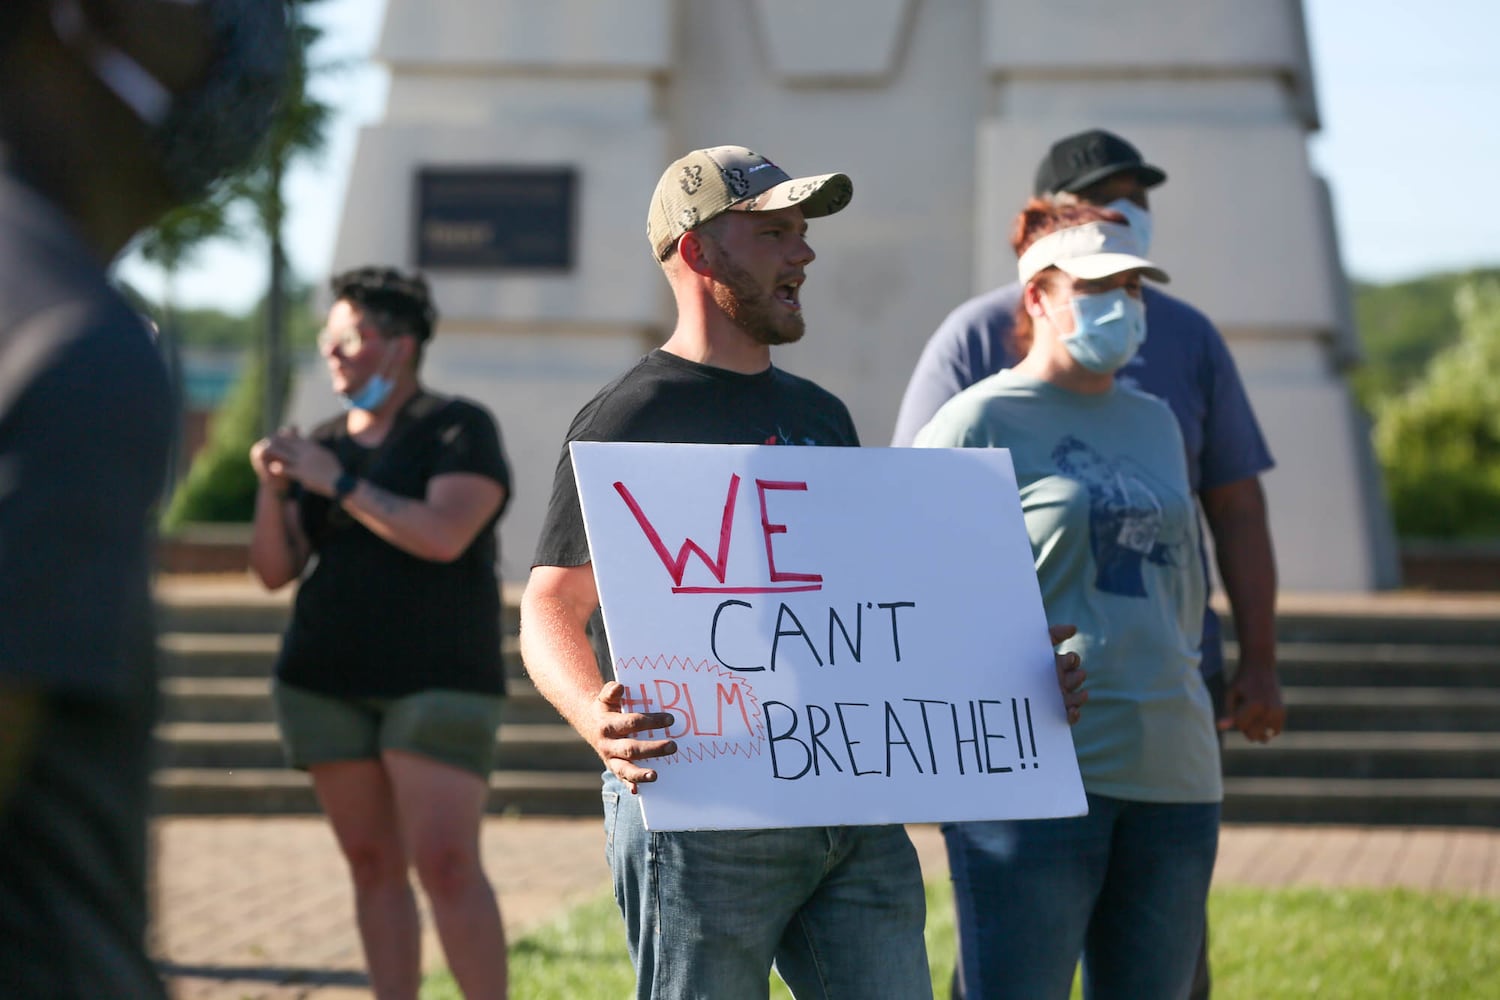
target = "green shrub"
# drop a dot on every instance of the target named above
(1401, 326)
(1439, 441)
(220, 486)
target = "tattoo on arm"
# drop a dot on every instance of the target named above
(385, 501)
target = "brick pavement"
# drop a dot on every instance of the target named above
(260, 909)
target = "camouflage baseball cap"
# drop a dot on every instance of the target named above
(708, 182)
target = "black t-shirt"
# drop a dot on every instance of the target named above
(667, 398)
(85, 421)
(373, 621)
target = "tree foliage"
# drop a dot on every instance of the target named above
(1439, 440)
(1401, 326)
(298, 131)
(220, 487)
(170, 243)
(214, 328)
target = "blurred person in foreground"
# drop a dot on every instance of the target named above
(1114, 530)
(389, 684)
(111, 113)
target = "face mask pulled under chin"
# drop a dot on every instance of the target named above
(212, 128)
(376, 390)
(1108, 328)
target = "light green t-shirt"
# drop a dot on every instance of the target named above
(1114, 530)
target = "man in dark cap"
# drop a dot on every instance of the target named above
(1078, 162)
(111, 112)
(1185, 362)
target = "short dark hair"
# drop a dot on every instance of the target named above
(399, 304)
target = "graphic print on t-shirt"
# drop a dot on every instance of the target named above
(779, 437)
(1125, 516)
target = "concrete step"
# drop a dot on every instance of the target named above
(248, 699)
(277, 791)
(216, 699)
(239, 745)
(1451, 802)
(1414, 802)
(1367, 755)
(221, 604)
(1395, 715)
(1434, 624)
(253, 654)
(237, 603)
(217, 654)
(1411, 709)
(1385, 665)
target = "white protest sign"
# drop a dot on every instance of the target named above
(843, 635)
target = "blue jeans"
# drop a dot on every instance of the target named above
(1125, 886)
(840, 910)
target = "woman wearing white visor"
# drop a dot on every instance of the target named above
(1114, 532)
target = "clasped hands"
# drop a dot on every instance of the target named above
(286, 457)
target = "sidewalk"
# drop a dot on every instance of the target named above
(260, 909)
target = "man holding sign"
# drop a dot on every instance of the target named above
(839, 910)
(708, 912)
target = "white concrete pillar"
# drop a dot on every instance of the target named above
(1219, 94)
(940, 111)
(567, 84)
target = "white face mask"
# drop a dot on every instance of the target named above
(1139, 219)
(1108, 328)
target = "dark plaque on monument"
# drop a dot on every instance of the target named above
(496, 218)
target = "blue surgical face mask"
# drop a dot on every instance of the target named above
(1139, 219)
(376, 390)
(1108, 328)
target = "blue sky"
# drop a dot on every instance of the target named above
(1410, 96)
(1409, 93)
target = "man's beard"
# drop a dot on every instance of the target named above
(751, 309)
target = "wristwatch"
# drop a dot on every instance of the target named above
(344, 485)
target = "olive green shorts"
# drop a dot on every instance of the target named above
(454, 727)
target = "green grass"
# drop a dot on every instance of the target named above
(1267, 943)
(1334, 944)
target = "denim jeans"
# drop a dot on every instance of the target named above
(1217, 690)
(839, 910)
(1125, 886)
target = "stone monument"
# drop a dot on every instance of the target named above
(522, 139)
